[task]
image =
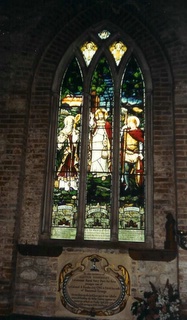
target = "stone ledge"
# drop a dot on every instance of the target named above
(153, 254)
(135, 254)
(39, 250)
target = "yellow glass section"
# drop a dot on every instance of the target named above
(88, 50)
(118, 49)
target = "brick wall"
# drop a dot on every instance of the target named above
(34, 37)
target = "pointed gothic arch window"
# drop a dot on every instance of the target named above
(100, 177)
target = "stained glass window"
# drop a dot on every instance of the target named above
(99, 176)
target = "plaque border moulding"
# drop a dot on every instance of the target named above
(93, 287)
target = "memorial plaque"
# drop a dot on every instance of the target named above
(93, 287)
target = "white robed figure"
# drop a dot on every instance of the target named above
(100, 144)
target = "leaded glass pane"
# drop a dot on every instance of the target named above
(65, 193)
(118, 49)
(98, 206)
(104, 34)
(88, 50)
(132, 197)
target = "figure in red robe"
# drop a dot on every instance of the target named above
(132, 151)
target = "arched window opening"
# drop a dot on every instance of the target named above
(113, 163)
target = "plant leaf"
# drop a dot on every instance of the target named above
(153, 287)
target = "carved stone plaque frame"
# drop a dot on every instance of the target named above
(93, 287)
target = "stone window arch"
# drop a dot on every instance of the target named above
(119, 211)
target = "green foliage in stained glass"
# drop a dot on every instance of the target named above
(98, 190)
(133, 84)
(62, 197)
(102, 83)
(72, 83)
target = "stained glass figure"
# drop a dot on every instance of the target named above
(97, 221)
(64, 220)
(118, 49)
(131, 211)
(88, 50)
(104, 34)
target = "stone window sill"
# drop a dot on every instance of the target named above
(135, 254)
